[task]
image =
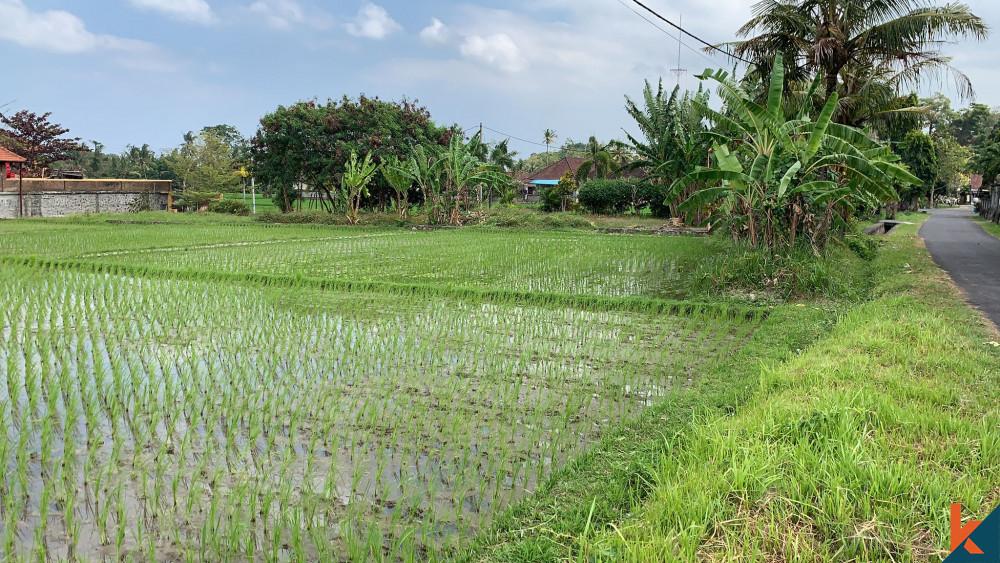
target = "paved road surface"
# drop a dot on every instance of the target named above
(969, 254)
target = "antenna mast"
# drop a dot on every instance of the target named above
(678, 72)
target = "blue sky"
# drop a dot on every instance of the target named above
(146, 71)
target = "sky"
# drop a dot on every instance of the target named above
(146, 71)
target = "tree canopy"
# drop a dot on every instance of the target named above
(37, 139)
(311, 142)
(864, 50)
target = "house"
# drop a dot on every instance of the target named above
(551, 174)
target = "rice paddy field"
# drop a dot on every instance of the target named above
(200, 392)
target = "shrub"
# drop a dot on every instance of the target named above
(614, 197)
(866, 247)
(654, 196)
(230, 206)
(557, 198)
(606, 196)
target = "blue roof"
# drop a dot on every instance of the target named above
(545, 182)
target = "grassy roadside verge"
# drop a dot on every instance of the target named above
(852, 450)
(615, 472)
(988, 226)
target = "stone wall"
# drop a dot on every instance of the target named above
(59, 198)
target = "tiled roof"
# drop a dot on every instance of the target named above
(557, 169)
(977, 181)
(7, 156)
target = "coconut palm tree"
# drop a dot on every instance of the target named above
(550, 137)
(599, 161)
(502, 156)
(844, 41)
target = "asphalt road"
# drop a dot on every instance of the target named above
(969, 254)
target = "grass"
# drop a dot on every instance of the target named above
(852, 449)
(988, 226)
(508, 217)
(263, 203)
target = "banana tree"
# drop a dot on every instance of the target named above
(774, 177)
(425, 168)
(399, 175)
(462, 170)
(354, 185)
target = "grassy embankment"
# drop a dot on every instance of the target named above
(849, 448)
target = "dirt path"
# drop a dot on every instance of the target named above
(969, 254)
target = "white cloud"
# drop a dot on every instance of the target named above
(57, 31)
(373, 22)
(497, 50)
(280, 14)
(436, 32)
(197, 11)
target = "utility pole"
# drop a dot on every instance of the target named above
(480, 185)
(679, 71)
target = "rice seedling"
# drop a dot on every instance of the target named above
(188, 417)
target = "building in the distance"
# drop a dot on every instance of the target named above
(58, 197)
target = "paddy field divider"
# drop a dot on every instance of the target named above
(631, 304)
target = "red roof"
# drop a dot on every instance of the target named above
(557, 169)
(977, 181)
(7, 156)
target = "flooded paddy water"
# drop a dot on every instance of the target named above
(178, 420)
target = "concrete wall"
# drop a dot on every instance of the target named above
(58, 198)
(100, 185)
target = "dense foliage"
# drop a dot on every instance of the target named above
(672, 142)
(310, 143)
(919, 154)
(866, 51)
(204, 163)
(775, 179)
(37, 139)
(616, 196)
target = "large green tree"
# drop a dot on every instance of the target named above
(311, 142)
(672, 139)
(920, 156)
(204, 164)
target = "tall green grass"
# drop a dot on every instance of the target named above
(852, 450)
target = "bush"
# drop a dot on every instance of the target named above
(614, 197)
(654, 196)
(606, 196)
(865, 246)
(230, 206)
(559, 197)
(738, 267)
(521, 218)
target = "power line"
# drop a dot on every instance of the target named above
(513, 137)
(691, 35)
(668, 34)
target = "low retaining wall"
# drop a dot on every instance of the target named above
(989, 204)
(59, 198)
